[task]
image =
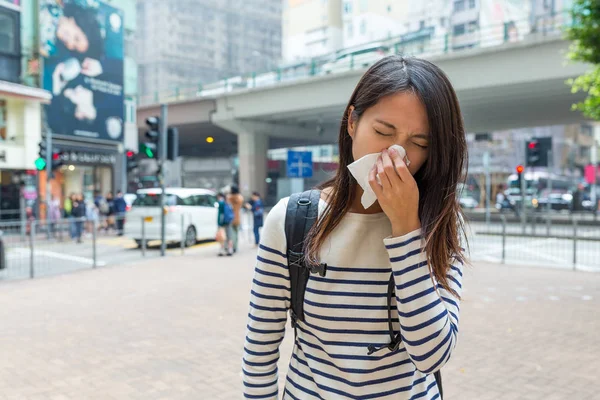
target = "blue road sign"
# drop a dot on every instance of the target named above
(299, 164)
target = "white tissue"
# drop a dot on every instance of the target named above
(361, 168)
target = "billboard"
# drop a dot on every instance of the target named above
(81, 42)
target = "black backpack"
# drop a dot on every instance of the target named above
(302, 212)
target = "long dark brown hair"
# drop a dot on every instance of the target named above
(438, 178)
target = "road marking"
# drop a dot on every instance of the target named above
(554, 298)
(62, 256)
(586, 298)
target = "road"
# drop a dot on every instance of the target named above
(173, 329)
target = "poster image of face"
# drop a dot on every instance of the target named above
(81, 42)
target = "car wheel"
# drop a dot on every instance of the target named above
(190, 237)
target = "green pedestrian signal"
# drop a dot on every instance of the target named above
(149, 152)
(40, 164)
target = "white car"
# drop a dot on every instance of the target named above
(190, 215)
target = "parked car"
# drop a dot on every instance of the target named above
(191, 215)
(356, 57)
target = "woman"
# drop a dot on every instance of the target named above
(411, 233)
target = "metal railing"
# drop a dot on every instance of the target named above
(416, 44)
(36, 248)
(572, 243)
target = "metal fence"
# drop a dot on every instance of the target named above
(546, 239)
(34, 248)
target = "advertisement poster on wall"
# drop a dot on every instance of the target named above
(82, 48)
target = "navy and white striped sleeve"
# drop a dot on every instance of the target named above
(428, 313)
(269, 302)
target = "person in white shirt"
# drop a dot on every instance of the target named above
(409, 241)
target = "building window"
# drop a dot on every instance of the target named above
(472, 26)
(389, 9)
(459, 30)
(421, 25)
(347, 7)
(443, 22)
(350, 30)
(10, 58)
(459, 5)
(472, 4)
(363, 27)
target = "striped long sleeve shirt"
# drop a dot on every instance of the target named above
(346, 312)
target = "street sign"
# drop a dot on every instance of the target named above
(299, 164)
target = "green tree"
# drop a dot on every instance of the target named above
(584, 32)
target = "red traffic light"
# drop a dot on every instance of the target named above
(532, 145)
(520, 169)
(55, 156)
(130, 154)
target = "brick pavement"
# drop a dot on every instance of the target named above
(174, 328)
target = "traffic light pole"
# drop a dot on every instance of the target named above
(162, 157)
(49, 153)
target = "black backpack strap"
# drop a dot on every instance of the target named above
(302, 212)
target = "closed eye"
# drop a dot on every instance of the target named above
(382, 134)
(419, 145)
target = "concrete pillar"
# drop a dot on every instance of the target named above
(252, 152)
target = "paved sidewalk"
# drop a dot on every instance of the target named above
(173, 329)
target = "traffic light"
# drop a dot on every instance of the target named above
(150, 148)
(172, 144)
(57, 160)
(520, 170)
(536, 151)
(131, 160)
(40, 162)
(533, 153)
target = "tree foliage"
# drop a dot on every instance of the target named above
(584, 33)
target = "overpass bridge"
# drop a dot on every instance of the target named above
(512, 85)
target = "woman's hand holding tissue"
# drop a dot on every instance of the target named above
(398, 194)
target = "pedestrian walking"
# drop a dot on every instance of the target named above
(54, 215)
(373, 287)
(237, 202)
(120, 207)
(256, 207)
(224, 220)
(78, 213)
(110, 211)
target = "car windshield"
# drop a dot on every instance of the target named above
(152, 200)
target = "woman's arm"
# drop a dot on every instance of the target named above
(269, 302)
(428, 313)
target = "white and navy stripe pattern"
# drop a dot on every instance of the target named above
(345, 312)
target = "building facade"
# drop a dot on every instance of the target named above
(311, 28)
(82, 93)
(185, 44)
(20, 114)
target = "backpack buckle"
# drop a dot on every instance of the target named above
(304, 202)
(320, 269)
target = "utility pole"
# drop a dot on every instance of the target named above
(488, 186)
(49, 153)
(162, 157)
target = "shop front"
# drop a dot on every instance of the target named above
(86, 171)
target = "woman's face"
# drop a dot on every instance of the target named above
(397, 119)
(71, 35)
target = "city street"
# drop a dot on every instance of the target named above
(173, 329)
